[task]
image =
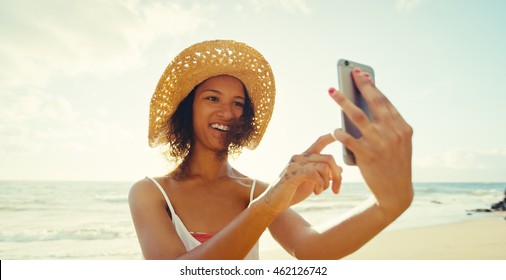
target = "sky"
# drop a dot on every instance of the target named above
(76, 79)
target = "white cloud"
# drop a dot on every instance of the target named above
(34, 106)
(32, 123)
(407, 5)
(239, 8)
(46, 39)
(465, 160)
(15, 139)
(287, 5)
(60, 109)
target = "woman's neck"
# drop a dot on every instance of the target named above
(208, 165)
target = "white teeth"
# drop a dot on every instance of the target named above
(220, 127)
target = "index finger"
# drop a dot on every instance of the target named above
(377, 101)
(320, 144)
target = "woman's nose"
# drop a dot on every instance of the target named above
(226, 112)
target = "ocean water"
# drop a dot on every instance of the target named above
(91, 220)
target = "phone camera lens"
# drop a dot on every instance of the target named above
(346, 62)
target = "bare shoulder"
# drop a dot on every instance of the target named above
(245, 180)
(260, 187)
(141, 188)
(144, 191)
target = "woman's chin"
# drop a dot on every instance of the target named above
(220, 147)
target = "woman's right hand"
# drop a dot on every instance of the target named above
(306, 173)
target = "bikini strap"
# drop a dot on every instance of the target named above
(163, 193)
(252, 192)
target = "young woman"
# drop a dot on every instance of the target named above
(213, 99)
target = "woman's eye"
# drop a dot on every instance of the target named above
(239, 104)
(212, 98)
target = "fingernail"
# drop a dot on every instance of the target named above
(357, 70)
(332, 90)
(366, 75)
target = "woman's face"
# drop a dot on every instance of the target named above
(219, 102)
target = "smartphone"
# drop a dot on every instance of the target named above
(348, 88)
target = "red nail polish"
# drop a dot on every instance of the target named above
(332, 90)
(356, 70)
(366, 75)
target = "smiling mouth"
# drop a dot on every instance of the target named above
(220, 127)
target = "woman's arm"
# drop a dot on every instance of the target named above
(383, 155)
(349, 232)
(157, 236)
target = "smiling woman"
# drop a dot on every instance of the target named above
(217, 97)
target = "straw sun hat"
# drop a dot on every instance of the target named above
(202, 61)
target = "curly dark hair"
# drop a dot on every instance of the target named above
(179, 132)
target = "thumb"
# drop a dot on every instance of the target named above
(320, 144)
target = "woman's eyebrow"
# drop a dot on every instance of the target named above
(212, 90)
(221, 93)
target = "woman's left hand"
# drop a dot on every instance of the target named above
(383, 153)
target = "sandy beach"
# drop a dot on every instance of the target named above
(477, 239)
